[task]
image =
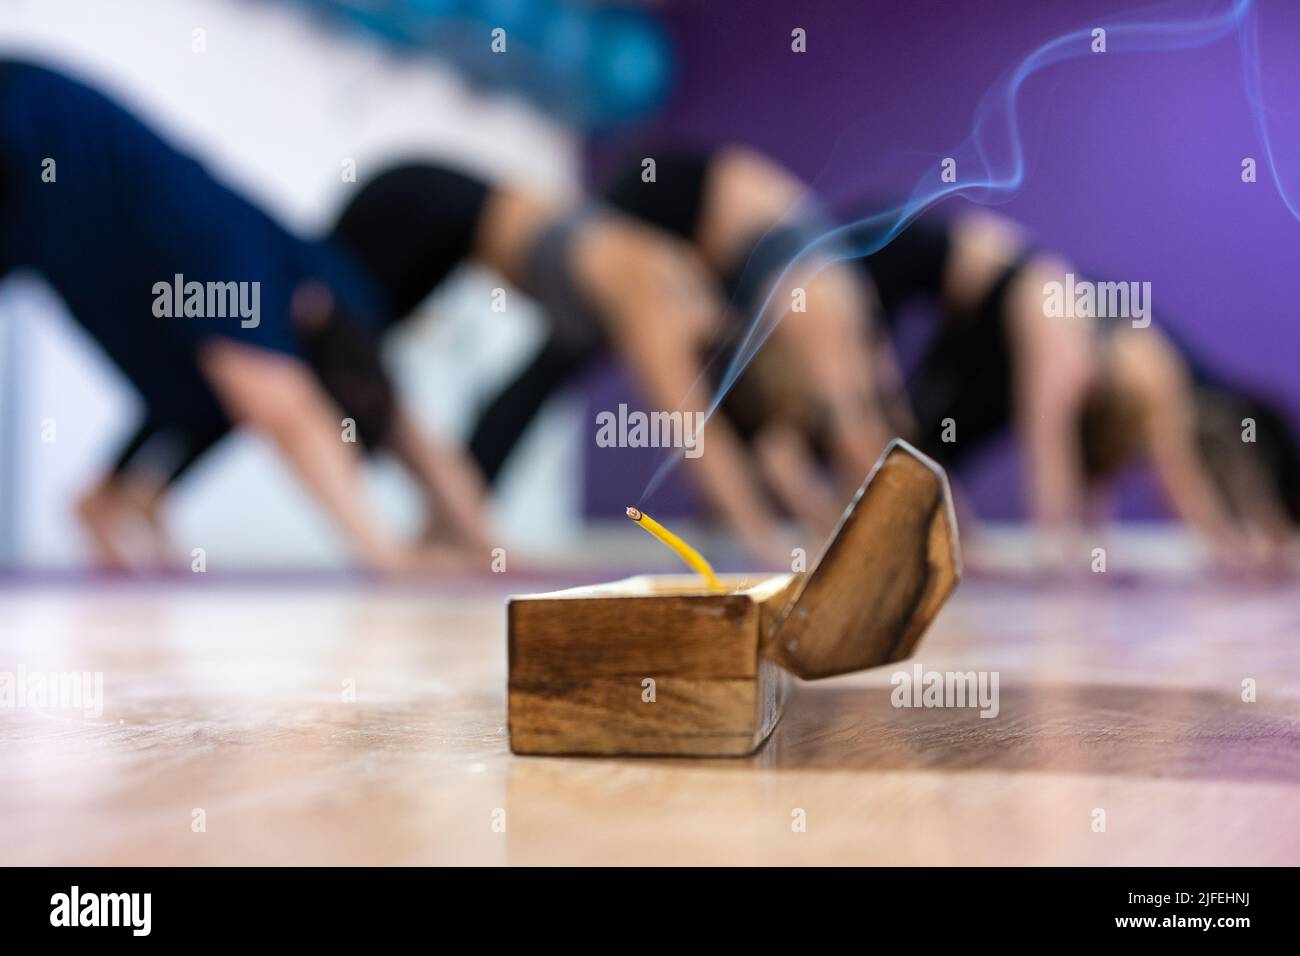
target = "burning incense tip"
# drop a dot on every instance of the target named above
(683, 550)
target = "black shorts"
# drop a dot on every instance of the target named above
(409, 227)
(674, 201)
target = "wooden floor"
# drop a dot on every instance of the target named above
(229, 699)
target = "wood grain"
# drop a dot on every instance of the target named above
(883, 577)
(603, 716)
(579, 659)
(1125, 697)
(642, 666)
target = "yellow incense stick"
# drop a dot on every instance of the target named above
(684, 550)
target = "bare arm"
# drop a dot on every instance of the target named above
(830, 344)
(724, 472)
(659, 309)
(278, 396)
(1150, 367)
(1054, 365)
(1054, 461)
(792, 473)
(450, 482)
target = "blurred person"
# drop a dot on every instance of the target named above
(124, 228)
(603, 281)
(740, 220)
(1085, 396)
(125, 506)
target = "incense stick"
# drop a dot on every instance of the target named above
(682, 549)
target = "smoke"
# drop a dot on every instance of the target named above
(991, 160)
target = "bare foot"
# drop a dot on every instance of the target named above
(101, 516)
(126, 528)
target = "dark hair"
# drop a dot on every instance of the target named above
(348, 364)
(1223, 417)
(1111, 427)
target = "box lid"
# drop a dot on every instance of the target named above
(882, 577)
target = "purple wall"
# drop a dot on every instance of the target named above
(1133, 161)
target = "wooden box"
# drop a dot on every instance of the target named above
(661, 665)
